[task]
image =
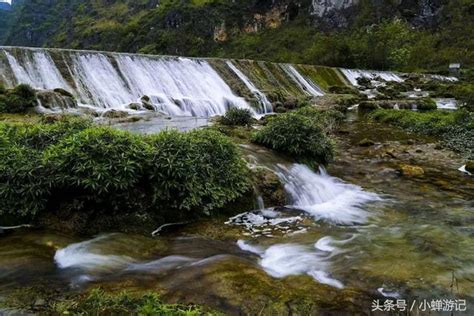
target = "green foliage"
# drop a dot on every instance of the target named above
(71, 166)
(373, 38)
(297, 135)
(455, 128)
(237, 117)
(100, 302)
(426, 104)
(18, 99)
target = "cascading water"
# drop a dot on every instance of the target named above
(177, 86)
(325, 197)
(261, 97)
(353, 74)
(37, 70)
(305, 84)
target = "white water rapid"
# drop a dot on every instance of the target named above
(324, 197)
(304, 83)
(177, 86)
(259, 95)
(353, 74)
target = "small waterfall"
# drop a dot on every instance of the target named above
(353, 74)
(39, 71)
(325, 197)
(305, 84)
(446, 103)
(261, 97)
(177, 86)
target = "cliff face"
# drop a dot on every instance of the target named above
(223, 27)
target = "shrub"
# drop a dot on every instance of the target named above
(297, 135)
(456, 128)
(17, 100)
(328, 120)
(237, 117)
(71, 166)
(426, 104)
(200, 169)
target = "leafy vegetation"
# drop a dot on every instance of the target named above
(385, 35)
(455, 128)
(70, 166)
(100, 302)
(237, 117)
(299, 134)
(18, 99)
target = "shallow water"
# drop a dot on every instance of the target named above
(356, 232)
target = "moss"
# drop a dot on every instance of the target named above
(98, 302)
(324, 77)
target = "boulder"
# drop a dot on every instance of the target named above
(53, 100)
(411, 170)
(115, 114)
(366, 142)
(135, 106)
(146, 103)
(470, 166)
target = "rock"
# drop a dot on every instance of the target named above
(411, 170)
(64, 92)
(40, 302)
(470, 166)
(366, 142)
(410, 142)
(269, 186)
(50, 99)
(291, 103)
(115, 114)
(390, 153)
(135, 106)
(146, 103)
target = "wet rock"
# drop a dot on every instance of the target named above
(411, 170)
(40, 302)
(146, 103)
(366, 142)
(470, 166)
(115, 114)
(64, 92)
(269, 187)
(391, 153)
(135, 106)
(50, 99)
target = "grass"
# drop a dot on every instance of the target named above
(454, 128)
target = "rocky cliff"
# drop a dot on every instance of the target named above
(332, 32)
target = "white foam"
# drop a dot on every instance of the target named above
(353, 74)
(261, 97)
(306, 84)
(283, 260)
(324, 244)
(325, 197)
(81, 255)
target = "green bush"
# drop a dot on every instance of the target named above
(297, 135)
(455, 128)
(426, 104)
(237, 117)
(18, 99)
(71, 166)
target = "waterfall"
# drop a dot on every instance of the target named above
(177, 86)
(39, 71)
(325, 197)
(261, 97)
(353, 74)
(305, 84)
